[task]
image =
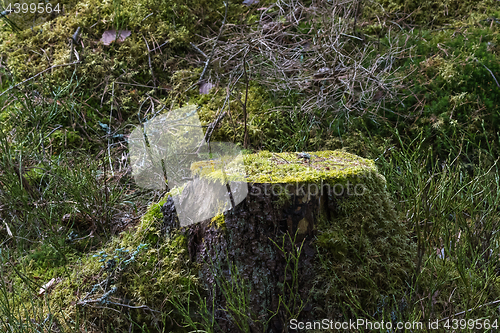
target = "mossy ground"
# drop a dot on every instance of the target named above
(218, 221)
(145, 270)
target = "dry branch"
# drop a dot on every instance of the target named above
(309, 50)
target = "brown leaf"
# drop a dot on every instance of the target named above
(109, 36)
(378, 95)
(205, 88)
(250, 2)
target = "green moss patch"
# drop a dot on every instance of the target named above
(365, 251)
(429, 12)
(129, 279)
(267, 167)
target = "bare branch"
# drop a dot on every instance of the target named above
(340, 72)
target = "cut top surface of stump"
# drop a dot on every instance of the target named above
(267, 167)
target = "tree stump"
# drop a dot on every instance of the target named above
(315, 231)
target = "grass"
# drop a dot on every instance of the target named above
(451, 207)
(454, 215)
(453, 212)
(200, 314)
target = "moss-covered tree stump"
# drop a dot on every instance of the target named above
(315, 232)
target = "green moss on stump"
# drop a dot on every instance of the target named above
(265, 167)
(362, 249)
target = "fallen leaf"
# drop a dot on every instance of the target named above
(378, 95)
(205, 87)
(109, 36)
(250, 2)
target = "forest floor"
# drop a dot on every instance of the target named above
(414, 88)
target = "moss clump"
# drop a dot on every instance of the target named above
(136, 268)
(429, 12)
(142, 269)
(266, 167)
(175, 21)
(261, 124)
(458, 86)
(363, 246)
(153, 214)
(64, 139)
(219, 221)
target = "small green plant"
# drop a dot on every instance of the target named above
(453, 212)
(290, 303)
(195, 311)
(24, 304)
(235, 293)
(118, 17)
(199, 312)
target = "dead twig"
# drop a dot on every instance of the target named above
(284, 159)
(213, 125)
(73, 40)
(84, 303)
(493, 75)
(160, 46)
(149, 61)
(469, 310)
(215, 44)
(330, 65)
(245, 135)
(142, 85)
(198, 49)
